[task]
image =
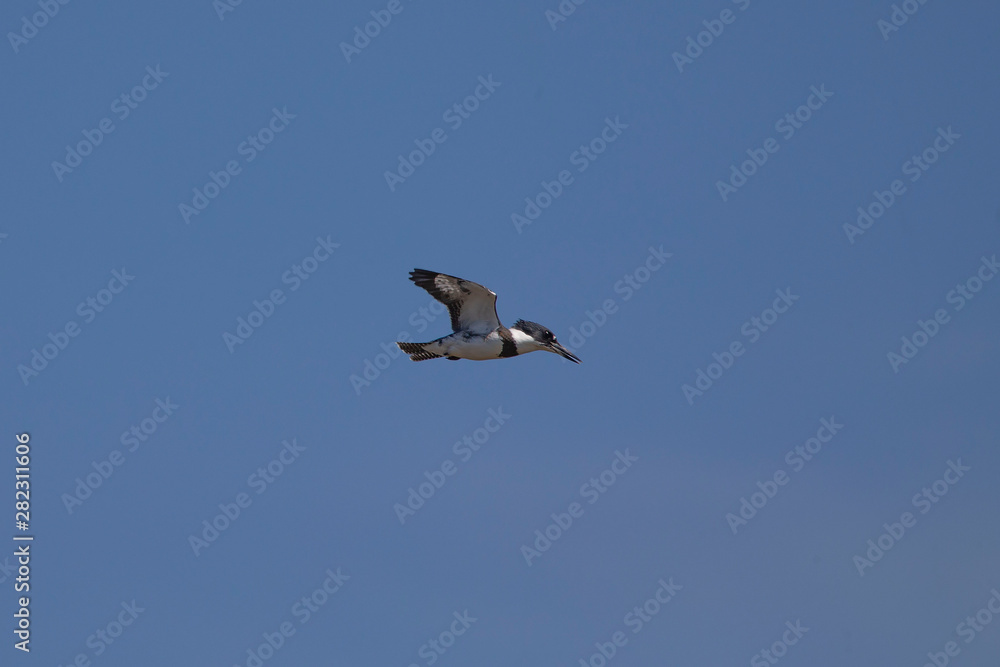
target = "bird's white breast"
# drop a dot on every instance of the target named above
(477, 348)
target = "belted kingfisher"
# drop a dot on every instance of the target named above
(478, 334)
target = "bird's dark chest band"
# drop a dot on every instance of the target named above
(509, 349)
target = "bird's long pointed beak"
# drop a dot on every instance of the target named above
(562, 351)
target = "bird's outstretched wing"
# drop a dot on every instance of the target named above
(472, 306)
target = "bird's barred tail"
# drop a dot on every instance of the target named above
(417, 351)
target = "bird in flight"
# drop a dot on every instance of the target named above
(478, 334)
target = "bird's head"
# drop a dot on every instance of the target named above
(536, 337)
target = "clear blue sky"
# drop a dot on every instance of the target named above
(249, 155)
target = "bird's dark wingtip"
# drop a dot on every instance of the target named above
(417, 275)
